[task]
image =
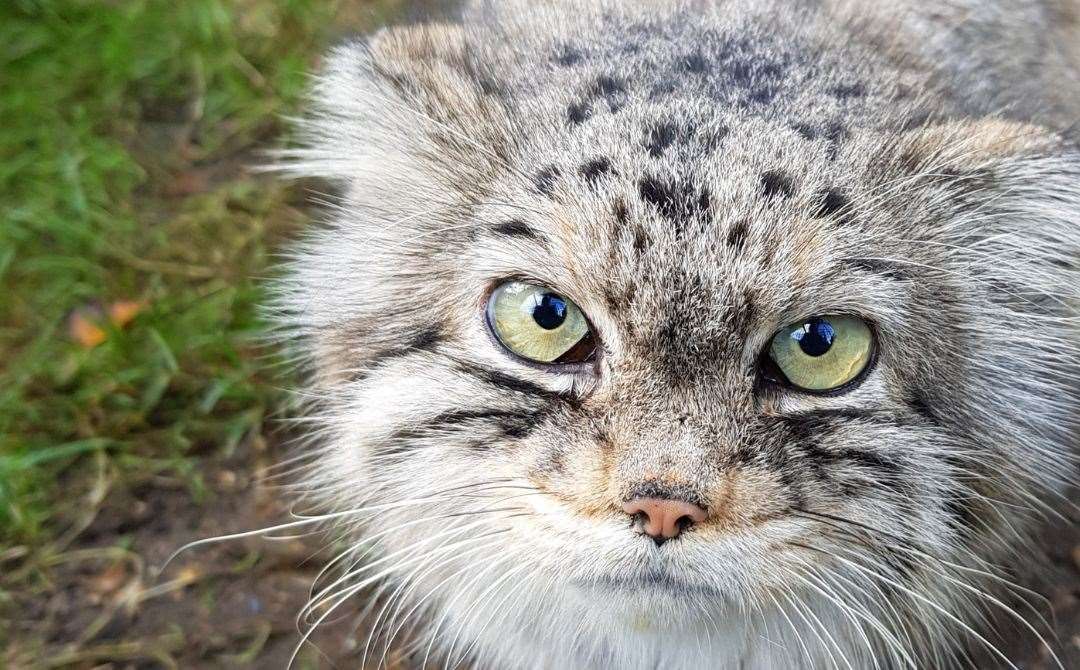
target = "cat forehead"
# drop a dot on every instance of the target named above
(693, 142)
(766, 200)
(716, 252)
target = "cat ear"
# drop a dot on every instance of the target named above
(434, 67)
(971, 144)
(973, 172)
(412, 102)
(995, 189)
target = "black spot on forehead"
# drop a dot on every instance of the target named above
(545, 178)
(660, 194)
(714, 136)
(611, 90)
(835, 133)
(775, 183)
(619, 211)
(741, 72)
(833, 202)
(761, 96)
(517, 228)
(596, 168)
(606, 85)
(662, 89)
(695, 63)
(677, 201)
(736, 237)
(641, 240)
(806, 130)
(578, 113)
(845, 91)
(659, 138)
(568, 56)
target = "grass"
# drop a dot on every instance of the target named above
(133, 248)
(124, 129)
(116, 118)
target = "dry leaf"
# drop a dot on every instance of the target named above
(84, 331)
(86, 324)
(122, 312)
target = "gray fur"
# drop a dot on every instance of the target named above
(694, 175)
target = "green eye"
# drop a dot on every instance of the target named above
(822, 353)
(537, 324)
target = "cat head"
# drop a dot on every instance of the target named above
(607, 334)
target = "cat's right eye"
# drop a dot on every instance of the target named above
(539, 325)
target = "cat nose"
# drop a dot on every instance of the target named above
(663, 519)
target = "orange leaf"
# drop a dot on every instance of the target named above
(122, 312)
(84, 331)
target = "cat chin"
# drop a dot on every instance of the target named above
(576, 628)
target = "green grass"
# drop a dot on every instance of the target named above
(124, 127)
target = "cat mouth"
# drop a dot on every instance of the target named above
(650, 582)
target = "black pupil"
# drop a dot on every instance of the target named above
(550, 311)
(816, 337)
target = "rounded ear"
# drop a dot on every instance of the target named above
(994, 190)
(969, 144)
(433, 66)
(412, 102)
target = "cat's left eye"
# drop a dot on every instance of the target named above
(821, 354)
(538, 324)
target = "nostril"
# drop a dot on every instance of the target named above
(662, 518)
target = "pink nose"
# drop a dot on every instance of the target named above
(663, 518)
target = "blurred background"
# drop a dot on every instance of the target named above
(138, 410)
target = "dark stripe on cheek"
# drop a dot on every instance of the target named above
(833, 466)
(819, 420)
(426, 340)
(517, 228)
(921, 406)
(505, 382)
(514, 424)
(486, 428)
(779, 463)
(960, 505)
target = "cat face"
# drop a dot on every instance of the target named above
(838, 353)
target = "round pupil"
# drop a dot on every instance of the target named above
(549, 312)
(815, 338)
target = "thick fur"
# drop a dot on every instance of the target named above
(694, 175)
